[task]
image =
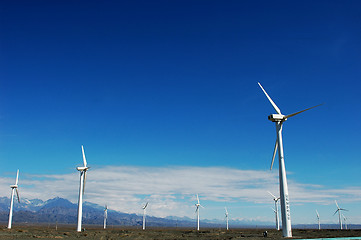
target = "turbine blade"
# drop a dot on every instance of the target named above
(84, 181)
(336, 212)
(17, 194)
(273, 210)
(274, 154)
(201, 206)
(318, 215)
(343, 209)
(17, 177)
(269, 98)
(272, 195)
(294, 114)
(197, 199)
(226, 210)
(337, 205)
(146, 205)
(84, 159)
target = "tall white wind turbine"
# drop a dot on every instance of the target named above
(318, 219)
(14, 188)
(275, 199)
(279, 119)
(83, 170)
(105, 216)
(197, 211)
(339, 214)
(144, 214)
(226, 217)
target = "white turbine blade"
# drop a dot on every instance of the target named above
(197, 199)
(84, 181)
(201, 206)
(318, 215)
(343, 209)
(226, 210)
(17, 178)
(293, 114)
(337, 205)
(17, 194)
(269, 98)
(272, 195)
(84, 159)
(274, 154)
(145, 206)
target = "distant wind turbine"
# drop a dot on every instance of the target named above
(14, 188)
(226, 217)
(105, 216)
(275, 199)
(197, 211)
(144, 214)
(318, 219)
(279, 119)
(345, 221)
(339, 214)
(83, 170)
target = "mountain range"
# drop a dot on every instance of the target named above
(60, 210)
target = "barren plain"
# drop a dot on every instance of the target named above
(67, 232)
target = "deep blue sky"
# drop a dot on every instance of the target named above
(144, 83)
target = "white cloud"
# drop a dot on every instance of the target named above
(171, 190)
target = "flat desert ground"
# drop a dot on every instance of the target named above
(44, 232)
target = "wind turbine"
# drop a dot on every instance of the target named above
(144, 212)
(197, 211)
(275, 199)
(226, 217)
(345, 219)
(339, 214)
(14, 188)
(105, 216)
(83, 170)
(318, 219)
(279, 119)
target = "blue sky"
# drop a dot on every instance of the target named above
(157, 86)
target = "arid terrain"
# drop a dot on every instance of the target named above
(67, 232)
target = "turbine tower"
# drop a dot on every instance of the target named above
(197, 211)
(318, 219)
(144, 214)
(339, 214)
(279, 119)
(226, 217)
(275, 199)
(83, 171)
(105, 216)
(14, 188)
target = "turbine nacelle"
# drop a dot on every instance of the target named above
(82, 169)
(13, 186)
(277, 118)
